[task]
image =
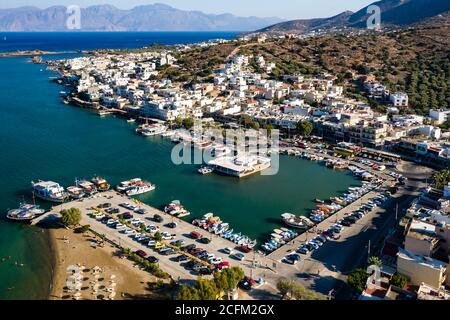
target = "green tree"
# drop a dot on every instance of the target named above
(157, 236)
(207, 289)
(188, 123)
(178, 121)
(399, 281)
(284, 287)
(187, 293)
(83, 229)
(299, 292)
(358, 279)
(228, 279)
(71, 217)
(268, 128)
(441, 178)
(305, 128)
(374, 261)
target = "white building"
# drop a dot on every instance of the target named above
(399, 99)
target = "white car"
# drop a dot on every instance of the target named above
(130, 231)
(216, 261)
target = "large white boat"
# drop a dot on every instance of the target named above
(149, 130)
(140, 188)
(126, 185)
(49, 191)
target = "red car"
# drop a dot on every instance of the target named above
(141, 254)
(195, 235)
(245, 249)
(223, 265)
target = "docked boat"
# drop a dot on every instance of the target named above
(140, 188)
(20, 215)
(101, 184)
(149, 130)
(205, 170)
(320, 201)
(49, 191)
(25, 212)
(75, 192)
(126, 185)
(88, 187)
(293, 221)
(176, 209)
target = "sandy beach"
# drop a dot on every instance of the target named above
(71, 249)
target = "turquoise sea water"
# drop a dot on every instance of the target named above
(41, 138)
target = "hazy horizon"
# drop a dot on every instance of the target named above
(284, 9)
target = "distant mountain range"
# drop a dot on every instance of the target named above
(155, 17)
(393, 13)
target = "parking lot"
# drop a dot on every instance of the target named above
(172, 229)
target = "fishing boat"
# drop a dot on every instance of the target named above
(176, 209)
(20, 215)
(293, 221)
(49, 191)
(149, 130)
(131, 120)
(88, 187)
(25, 212)
(75, 192)
(101, 184)
(140, 188)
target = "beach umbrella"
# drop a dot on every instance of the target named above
(78, 294)
(73, 269)
(112, 295)
(113, 284)
(112, 276)
(75, 277)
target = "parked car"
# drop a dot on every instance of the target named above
(152, 259)
(228, 250)
(171, 225)
(247, 283)
(141, 253)
(182, 258)
(158, 218)
(205, 240)
(239, 256)
(195, 235)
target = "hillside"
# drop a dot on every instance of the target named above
(393, 13)
(416, 61)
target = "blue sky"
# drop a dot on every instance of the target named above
(287, 9)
